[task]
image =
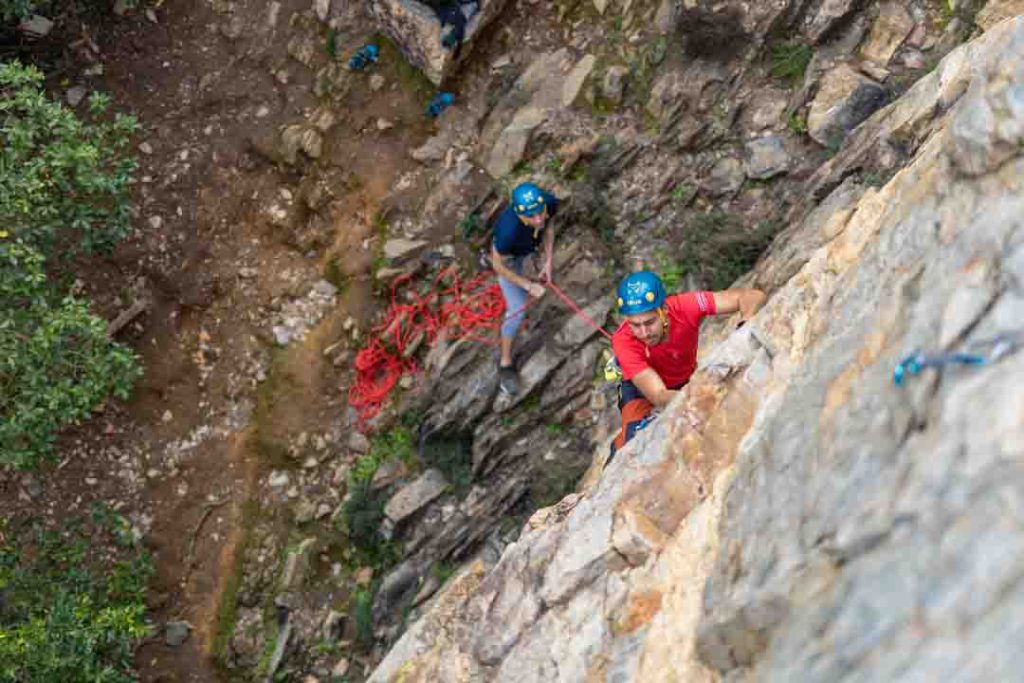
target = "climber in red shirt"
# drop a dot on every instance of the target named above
(656, 346)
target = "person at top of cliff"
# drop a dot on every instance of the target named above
(656, 345)
(519, 230)
(454, 15)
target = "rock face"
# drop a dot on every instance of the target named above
(415, 28)
(794, 515)
(845, 98)
(551, 82)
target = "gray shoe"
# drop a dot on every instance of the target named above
(508, 380)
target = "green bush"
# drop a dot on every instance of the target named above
(62, 179)
(789, 61)
(56, 362)
(717, 249)
(63, 187)
(60, 620)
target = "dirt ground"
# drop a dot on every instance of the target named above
(179, 459)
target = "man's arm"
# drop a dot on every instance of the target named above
(650, 385)
(549, 251)
(746, 301)
(498, 263)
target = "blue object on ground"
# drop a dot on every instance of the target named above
(363, 57)
(441, 102)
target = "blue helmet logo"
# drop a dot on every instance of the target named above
(640, 292)
(527, 200)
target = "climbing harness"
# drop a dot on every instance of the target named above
(981, 352)
(441, 102)
(363, 57)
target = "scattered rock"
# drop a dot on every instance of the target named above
(176, 632)
(300, 137)
(247, 273)
(726, 177)
(278, 479)
(384, 124)
(573, 82)
(829, 14)
(415, 496)
(321, 8)
(340, 669)
(891, 28)
(614, 83)
(36, 27)
(845, 98)
(75, 95)
(376, 81)
(145, 148)
(387, 474)
(358, 443)
(766, 157)
(296, 566)
(398, 248)
(167, 416)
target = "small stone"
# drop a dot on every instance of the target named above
(121, 7)
(766, 157)
(321, 7)
(94, 70)
(145, 148)
(151, 16)
(167, 416)
(262, 111)
(36, 26)
(396, 249)
(415, 496)
(726, 177)
(155, 222)
(309, 463)
(323, 510)
(614, 83)
(340, 669)
(247, 273)
(376, 82)
(384, 124)
(91, 481)
(152, 473)
(890, 29)
(176, 632)
(278, 479)
(75, 95)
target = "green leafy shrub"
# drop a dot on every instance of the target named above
(61, 177)
(60, 620)
(453, 455)
(717, 249)
(63, 188)
(56, 362)
(789, 61)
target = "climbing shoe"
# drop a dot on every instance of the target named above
(508, 380)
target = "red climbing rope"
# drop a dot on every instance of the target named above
(451, 308)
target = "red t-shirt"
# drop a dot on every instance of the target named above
(675, 358)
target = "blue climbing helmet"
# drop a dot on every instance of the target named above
(640, 292)
(527, 200)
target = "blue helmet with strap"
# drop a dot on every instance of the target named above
(528, 200)
(640, 292)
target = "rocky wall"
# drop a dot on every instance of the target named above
(795, 515)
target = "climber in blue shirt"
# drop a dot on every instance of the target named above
(519, 230)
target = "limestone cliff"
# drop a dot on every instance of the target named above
(794, 515)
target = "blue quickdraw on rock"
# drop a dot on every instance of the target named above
(439, 104)
(363, 57)
(986, 351)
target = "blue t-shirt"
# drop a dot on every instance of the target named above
(512, 237)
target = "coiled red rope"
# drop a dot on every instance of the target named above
(451, 308)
